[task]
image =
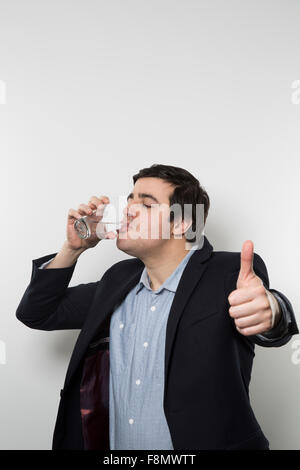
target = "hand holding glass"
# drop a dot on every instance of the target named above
(93, 226)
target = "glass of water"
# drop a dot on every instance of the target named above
(95, 226)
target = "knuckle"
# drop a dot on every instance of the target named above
(269, 315)
(241, 322)
(264, 328)
(93, 200)
(261, 290)
(244, 331)
(269, 324)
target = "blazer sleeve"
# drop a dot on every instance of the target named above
(287, 325)
(49, 304)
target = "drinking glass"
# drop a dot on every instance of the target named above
(94, 226)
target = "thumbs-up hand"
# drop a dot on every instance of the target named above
(249, 303)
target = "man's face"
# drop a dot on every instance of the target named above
(147, 214)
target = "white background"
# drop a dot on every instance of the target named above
(95, 91)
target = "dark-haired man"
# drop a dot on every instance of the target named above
(164, 356)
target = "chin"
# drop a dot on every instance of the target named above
(126, 245)
(123, 242)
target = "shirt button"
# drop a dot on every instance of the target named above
(121, 325)
(131, 421)
(145, 344)
(138, 381)
(153, 308)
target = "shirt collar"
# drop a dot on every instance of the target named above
(171, 282)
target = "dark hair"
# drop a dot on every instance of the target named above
(187, 190)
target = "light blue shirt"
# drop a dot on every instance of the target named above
(137, 357)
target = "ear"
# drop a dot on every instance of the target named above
(181, 226)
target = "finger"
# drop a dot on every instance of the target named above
(250, 320)
(245, 294)
(249, 308)
(94, 201)
(84, 209)
(100, 209)
(73, 214)
(254, 330)
(247, 254)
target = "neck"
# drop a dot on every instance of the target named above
(161, 265)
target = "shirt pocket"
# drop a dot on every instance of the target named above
(122, 347)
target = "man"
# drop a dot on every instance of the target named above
(165, 352)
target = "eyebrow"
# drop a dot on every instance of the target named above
(142, 195)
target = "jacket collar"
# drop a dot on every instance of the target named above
(170, 283)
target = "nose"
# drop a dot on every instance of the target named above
(129, 211)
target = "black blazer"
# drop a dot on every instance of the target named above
(207, 361)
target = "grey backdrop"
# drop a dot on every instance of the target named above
(94, 91)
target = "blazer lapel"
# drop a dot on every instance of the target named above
(188, 281)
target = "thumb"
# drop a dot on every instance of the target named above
(247, 255)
